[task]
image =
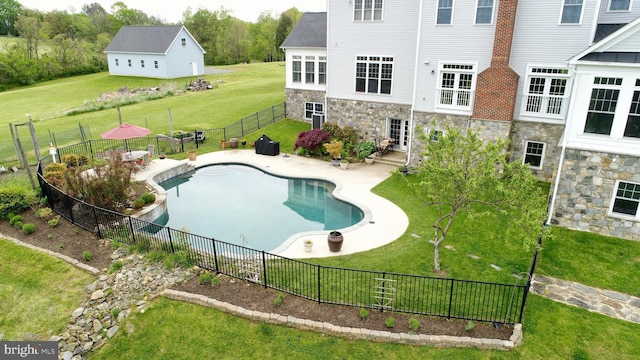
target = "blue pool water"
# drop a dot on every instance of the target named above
(229, 201)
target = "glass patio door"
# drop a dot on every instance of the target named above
(398, 130)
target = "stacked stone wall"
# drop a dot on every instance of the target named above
(585, 192)
(370, 118)
(549, 134)
(295, 99)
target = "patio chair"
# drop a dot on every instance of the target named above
(384, 146)
(150, 149)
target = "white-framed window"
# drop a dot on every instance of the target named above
(296, 68)
(571, 12)
(117, 62)
(619, 5)
(374, 74)
(445, 12)
(155, 64)
(534, 154)
(322, 70)
(626, 199)
(632, 128)
(456, 85)
(184, 42)
(309, 69)
(602, 106)
(141, 63)
(434, 135)
(484, 12)
(546, 92)
(367, 10)
(311, 108)
(129, 62)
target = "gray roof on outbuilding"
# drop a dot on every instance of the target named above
(144, 39)
(309, 32)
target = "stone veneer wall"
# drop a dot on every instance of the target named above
(486, 129)
(370, 118)
(550, 134)
(295, 99)
(586, 186)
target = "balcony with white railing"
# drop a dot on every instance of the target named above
(460, 100)
(547, 106)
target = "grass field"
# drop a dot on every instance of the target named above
(37, 292)
(243, 91)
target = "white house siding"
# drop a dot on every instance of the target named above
(540, 40)
(630, 44)
(463, 41)
(394, 36)
(136, 68)
(618, 17)
(303, 53)
(180, 58)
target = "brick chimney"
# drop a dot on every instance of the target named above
(497, 86)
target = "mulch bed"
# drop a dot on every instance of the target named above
(258, 298)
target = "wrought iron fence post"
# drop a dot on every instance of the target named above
(133, 233)
(264, 270)
(273, 114)
(525, 293)
(170, 240)
(450, 299)
(215, 255)
(70, 207)
(242, 127)
(383, 288)
(318, 272)
(258, 120)
(95, 217)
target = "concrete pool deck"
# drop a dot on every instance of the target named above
(383, 221)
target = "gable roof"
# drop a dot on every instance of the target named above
(310, 31)
(144, 39)
(614, 48)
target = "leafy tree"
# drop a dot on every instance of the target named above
(462, 174)
(263, 36)
(285, 24)
(9, 12)
(30, 30)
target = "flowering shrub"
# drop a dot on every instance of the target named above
(312, 140)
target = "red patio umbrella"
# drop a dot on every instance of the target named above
(125, 131)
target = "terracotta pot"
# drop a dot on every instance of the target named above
(335, 240)
(191, 155)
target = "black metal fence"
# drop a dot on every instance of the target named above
(443, 297)
(185, 142)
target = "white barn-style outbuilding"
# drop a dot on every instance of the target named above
(164, 52)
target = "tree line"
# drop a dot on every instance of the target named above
(59, 44)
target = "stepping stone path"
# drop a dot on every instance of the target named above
(607, 302)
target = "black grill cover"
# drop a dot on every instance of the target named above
(266, 146)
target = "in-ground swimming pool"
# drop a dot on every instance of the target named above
(229, 202)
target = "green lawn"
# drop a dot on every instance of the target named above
(175, 330)
(245, 90)
(37, 292)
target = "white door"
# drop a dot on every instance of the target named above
(194, 68)
(398, 130)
